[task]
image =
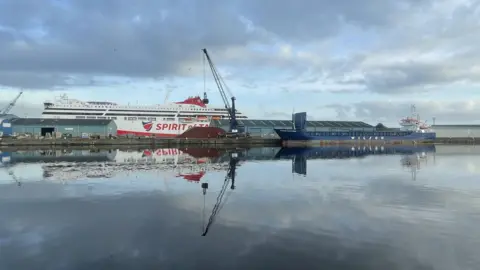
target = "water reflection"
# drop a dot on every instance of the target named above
(64, 165)
(354, 209)
(229, 180)
(411, 156)
(188, 164)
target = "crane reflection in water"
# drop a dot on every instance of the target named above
(229, 181)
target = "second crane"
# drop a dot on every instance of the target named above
(235, 129)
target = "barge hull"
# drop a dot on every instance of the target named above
(301, 137)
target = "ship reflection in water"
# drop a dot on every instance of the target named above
(412, 156)
(354, 208)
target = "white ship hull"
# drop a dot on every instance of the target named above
(159, 128)
(168, 120)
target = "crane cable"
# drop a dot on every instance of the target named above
(204, 75)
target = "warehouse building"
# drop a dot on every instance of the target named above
(457, 131)
(264, 128)
(75, 127)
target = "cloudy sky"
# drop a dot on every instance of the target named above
(364, 60)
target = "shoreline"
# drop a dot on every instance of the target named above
(201, 143)
(138, 142)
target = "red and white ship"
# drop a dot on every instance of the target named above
(162, 120)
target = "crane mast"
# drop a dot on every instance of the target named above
(221, 88)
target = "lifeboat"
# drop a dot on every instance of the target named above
(186, 120)
(409, 120)
(424, 126)
(216, 118)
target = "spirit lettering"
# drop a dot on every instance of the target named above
(178, 126)
(167, 152)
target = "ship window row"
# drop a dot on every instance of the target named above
(143, 115)
(94, 117)
(106, 114)
(180, 116)
(141, 118)
(140, 109)
(115, 118)
(130, 111)
(154, 119)
(128, 118)
(361, 133)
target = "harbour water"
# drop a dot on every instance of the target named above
(336, 208)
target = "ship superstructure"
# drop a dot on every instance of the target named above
(164, 120)
(413, 123)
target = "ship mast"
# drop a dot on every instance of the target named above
(414, 112)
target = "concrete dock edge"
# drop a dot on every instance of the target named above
(180, 142)
(151, 142)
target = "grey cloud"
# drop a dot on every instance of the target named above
(158, 39)
(101, 37)
(377, 111)
(419, 53)
(408, 77)
(314, 19)
(32, 80)
(22, 109)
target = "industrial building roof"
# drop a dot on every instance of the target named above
(288, 123)
(66, 122)
(7, 116)
(456, 126)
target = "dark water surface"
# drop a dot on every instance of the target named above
(354, 209)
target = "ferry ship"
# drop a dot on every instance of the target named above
(411, 129)
(162, 120)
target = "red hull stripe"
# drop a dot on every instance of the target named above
(135, 133)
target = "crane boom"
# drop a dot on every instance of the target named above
(221, 88)
(7, 109)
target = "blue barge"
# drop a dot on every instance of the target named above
(412, 130)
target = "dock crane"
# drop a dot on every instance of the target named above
(229, 179)
(7, 109)
(235, 129)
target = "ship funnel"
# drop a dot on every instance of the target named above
(299, 120)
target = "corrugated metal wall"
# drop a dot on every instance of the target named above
(269, 132)
(457, 131)
(75, 130)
